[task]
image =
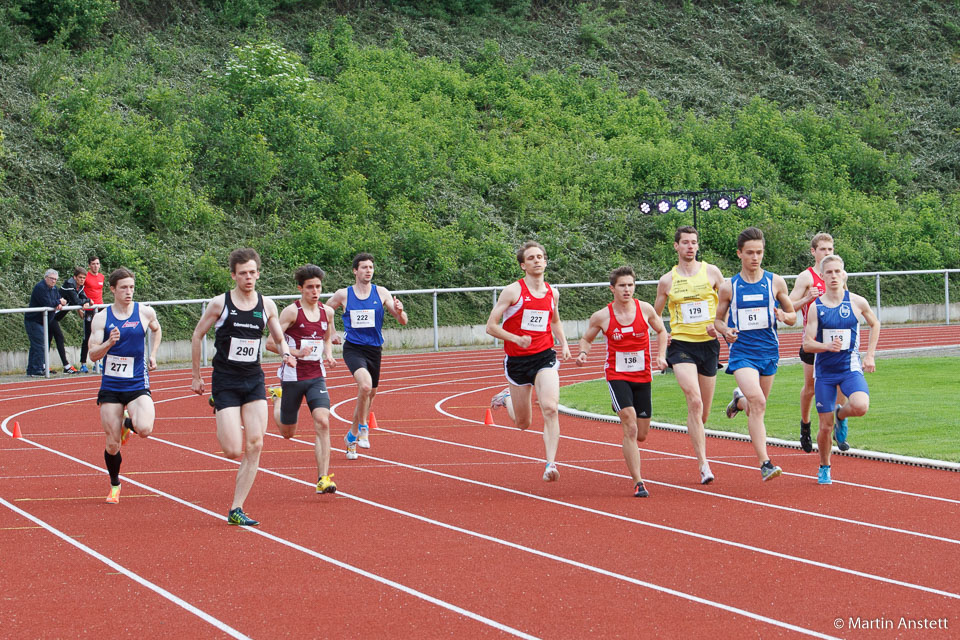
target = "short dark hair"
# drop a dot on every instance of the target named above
(308, 271)
(78, 271)
(619, 272)
(362, 257)
(120, 274)
(91, 259)
(750, 233)
(239, 256)
(683, 230)
(529, 244)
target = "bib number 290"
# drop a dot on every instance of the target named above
(244, 350)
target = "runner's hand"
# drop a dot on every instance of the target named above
(197, 386)
(581, 358)
(523, 341)
(152, 364)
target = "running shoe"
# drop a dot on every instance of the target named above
(823, 475)
(114, 497)
(275, 392)
(350, 441)
(840, 430)
(238, 517)
(732, 408)
(363, 439)
(551, 473)
(706, 476)
(70, 369)
(500, 400)
(806, 442)
(769, 472)
(639, 491)
(128, 429)
(326, 485)
(83, 369)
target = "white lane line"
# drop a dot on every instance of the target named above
(442, 411)
(324, 558)
(180, 602)
(519, 547)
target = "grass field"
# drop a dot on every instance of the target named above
(914, 409)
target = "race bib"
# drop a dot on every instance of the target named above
(118, 366)
(535, 320)
(363, 318)
(628, 361)
(693, 312)
(829, 335)
(244, 350)
(316, 349)
(755, 318)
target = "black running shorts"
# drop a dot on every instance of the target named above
(522, 370)
(313, 390)
(229, 390)
(625, 394)
(360, 356)
(706, 355)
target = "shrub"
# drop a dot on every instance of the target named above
(73, 21)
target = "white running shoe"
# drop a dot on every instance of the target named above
(351, 447)
(500, 400)
(363, 440)
(706, 476)
(551, 473)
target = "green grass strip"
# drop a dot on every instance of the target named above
(914, 406)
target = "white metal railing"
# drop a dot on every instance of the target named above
(434, 293)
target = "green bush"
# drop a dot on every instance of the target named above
(73, 21)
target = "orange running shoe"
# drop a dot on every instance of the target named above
(114, 497)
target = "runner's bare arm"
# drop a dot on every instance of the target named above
(861, 305)
(786, 313)
(723, 306)
(393, 305)
(149, 319)
(328, 339)
(287, 317)
(276, 332)
(207, 320)
(655, 322)
(96, 346)
(801, 293)
(663, 291)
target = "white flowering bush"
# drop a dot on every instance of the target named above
(262, 70)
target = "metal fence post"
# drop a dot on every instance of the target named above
(946, 293)
(496, 341)
(203, 345)
(46, 346)
(436, 326)
(878, 296)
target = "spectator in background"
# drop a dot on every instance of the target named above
(93, 287)
(45, 294)
(75, 295)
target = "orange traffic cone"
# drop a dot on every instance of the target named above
(16, 430)
(373, 421)
(488, 419)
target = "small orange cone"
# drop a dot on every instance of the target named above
(488, 419)
(16, 430)
(373, 421)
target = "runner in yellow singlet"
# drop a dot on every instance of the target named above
(689, 290)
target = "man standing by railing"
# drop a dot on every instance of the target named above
(45, 294)
(93, 287)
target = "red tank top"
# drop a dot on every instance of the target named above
(530, 316)
(302, 333)
(819, 285)
(93, 287)
(628, 348)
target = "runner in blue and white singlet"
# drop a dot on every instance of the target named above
(117, 337)
(833, 334)
(364, 304)
(747, 318)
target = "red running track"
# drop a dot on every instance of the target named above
(444, 528)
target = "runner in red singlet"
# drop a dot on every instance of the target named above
(626, 323)
(528, 308)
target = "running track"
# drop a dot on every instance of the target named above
(444, 528)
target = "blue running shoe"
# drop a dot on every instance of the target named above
(823, 476)
(83, 369)
(239, 518)
(840, 430)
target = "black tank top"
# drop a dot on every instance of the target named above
(238, 338)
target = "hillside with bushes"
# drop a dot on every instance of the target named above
(438, 134)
